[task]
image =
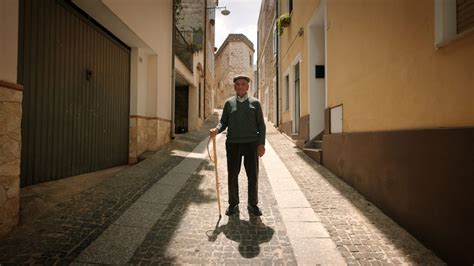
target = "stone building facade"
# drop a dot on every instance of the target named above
(195, 79)
(266, 59)
(234, 57)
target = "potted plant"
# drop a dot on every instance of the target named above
(283, 21)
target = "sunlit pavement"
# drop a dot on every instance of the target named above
(164, 210)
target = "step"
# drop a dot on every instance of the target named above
(314, 144)
(315, 154)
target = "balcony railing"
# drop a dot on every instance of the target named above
(183, 49)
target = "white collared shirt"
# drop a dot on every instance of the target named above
(243, 98)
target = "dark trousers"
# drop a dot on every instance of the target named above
(235, 152)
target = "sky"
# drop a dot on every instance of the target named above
(243, 19)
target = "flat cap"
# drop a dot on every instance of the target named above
(241, 77)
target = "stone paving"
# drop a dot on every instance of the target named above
(62, 233)
(189, 230)
(364, 235)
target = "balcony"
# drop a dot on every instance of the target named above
(184, 49)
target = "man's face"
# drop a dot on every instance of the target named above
(241, 87)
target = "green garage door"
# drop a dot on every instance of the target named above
(76, 79)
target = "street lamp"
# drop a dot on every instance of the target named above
(224, 12)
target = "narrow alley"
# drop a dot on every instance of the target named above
(163, 210)
(355, 119)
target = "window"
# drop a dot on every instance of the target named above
(287, 92)
(250, 59)
(290, 6)
(453, 20)
(296, 113)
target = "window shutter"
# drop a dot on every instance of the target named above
(464, 15)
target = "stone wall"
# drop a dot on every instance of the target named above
(233, 58)
(10, 153)
(192, 15)
(147, 134)
(266, 59)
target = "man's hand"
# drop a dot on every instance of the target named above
(261, 150)
(213, 132)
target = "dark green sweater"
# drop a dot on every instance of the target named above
(244, 121)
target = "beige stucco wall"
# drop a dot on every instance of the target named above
(194, 121)
(384, 69)
(292, 47)
(266, 58)
(210, 63)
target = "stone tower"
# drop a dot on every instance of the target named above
(235, 56)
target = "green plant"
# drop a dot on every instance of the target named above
(282, 22)
(178, 8)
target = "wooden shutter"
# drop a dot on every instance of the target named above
(464, 15)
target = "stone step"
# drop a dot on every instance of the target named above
(314, 144)
(315, 154)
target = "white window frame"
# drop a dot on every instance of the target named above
(445, 23)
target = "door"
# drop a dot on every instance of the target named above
(181, 109)
(296, 104)
(76, 99)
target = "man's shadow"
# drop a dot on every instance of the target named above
(249, 234)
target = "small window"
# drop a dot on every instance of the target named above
(453, 20)
(464, 15)
(250, 59)
(290, 6)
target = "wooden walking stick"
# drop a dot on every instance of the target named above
(217, 177)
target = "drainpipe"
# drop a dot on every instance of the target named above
(205, 57)
(277, 69)
(257, 80)
(173, 37)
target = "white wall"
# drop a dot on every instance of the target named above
(152, 86)
(316, 87)
(146, 25)
(8, 40)
(151, 21)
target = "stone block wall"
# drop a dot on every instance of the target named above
(147, 134)
(10, 154)
(233, 58)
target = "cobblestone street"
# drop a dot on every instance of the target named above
(144, 216)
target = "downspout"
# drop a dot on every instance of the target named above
(205, 57)
(257, 74)
(173, 37)
(277, 69)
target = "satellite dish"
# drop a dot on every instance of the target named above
(225, 12)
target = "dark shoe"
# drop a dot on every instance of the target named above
(232, 210)
(253, 209)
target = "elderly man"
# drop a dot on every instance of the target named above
(243, 117)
